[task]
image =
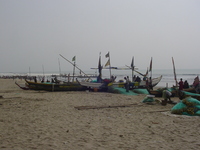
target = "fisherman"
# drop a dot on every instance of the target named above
(138, 79)
(127, 83)
(134, 78)
(113, 78)
(68, 76)
(99, 79)
(185, 85)
(181, 84)
(35, 79)
(166, 94)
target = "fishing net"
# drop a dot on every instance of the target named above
(188, 106)
(190, 94)
(141, 91)
(122, 91)
(148, 98)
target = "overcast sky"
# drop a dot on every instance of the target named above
(34, 32)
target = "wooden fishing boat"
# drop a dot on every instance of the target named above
(47, 86)
(23, 87)
(134, 85)
(100, 86)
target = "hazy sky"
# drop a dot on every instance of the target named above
(34, 32)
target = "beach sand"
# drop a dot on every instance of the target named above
(51, 120)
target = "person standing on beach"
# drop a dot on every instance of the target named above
(185, 85)
(180, 85)
(127, 83)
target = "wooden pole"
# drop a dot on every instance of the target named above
(75, 66)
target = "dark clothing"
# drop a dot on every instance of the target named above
(137, 79)
(126, 84)
(99, 80)
(185, 85)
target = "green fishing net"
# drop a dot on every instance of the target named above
(141, 91)
(148, 99)
(188, 106)
(122, 91)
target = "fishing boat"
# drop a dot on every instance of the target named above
(48, 86)
(100, 86)
(134, 85)
(23, 87)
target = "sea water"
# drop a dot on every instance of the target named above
(167, 75)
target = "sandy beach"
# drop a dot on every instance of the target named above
(90, 121)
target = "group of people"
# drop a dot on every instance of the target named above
(136, 79)
(166, 94)
(182, 85)
(149, 84)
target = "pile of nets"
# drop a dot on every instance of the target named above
(149, 98)
(121, 91)
(141, 91)
(188, 106)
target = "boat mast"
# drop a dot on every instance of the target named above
(75, 66)
(132, 67)
(29, 71)
(74, 60)
(150, 67)
(108, 62)
(174, 71)
(99, 66)
(43, 69)
(59, 66)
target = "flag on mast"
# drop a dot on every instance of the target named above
(74, 58)
(107, 55)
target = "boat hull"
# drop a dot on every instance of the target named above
(71, 86)
(134, 85)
